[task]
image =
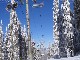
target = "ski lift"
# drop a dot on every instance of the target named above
(38, 5)
(9, 6)
(15, 5)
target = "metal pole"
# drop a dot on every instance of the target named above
(28, 32)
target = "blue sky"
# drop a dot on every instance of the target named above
(40, 25)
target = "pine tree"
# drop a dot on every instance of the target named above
(77, 25)
(67, 28)
(55, 27)
(1, 39)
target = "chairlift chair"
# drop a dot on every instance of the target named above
(9, 6)
(15, 5)
(38, 5)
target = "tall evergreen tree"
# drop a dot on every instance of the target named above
(55, 27)
(77, 25)
(1, 39)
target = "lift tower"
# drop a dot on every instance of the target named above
(28, 32)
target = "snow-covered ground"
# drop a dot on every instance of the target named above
(69, 58)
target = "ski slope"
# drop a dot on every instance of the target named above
(69, 58)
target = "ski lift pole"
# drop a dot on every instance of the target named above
(28, 32)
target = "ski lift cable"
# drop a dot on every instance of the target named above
(36, 5)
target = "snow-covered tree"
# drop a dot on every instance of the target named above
(77, 26)
(1, 40)
(55, 27)
(67, 28)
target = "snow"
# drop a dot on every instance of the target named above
(69, 58)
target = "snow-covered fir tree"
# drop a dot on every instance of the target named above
(15, 40)
(77, 26)
(67, 28)
(55, 27)
(1, 40)
(63, 30)
(23, 44)
(14, 32)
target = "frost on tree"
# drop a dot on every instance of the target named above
(67, 29)
(55, 27)
(77, 25)
(23, 43)
(14, 27)
(14, 45)
(15, 37)
(1, 39)
(63, 30)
